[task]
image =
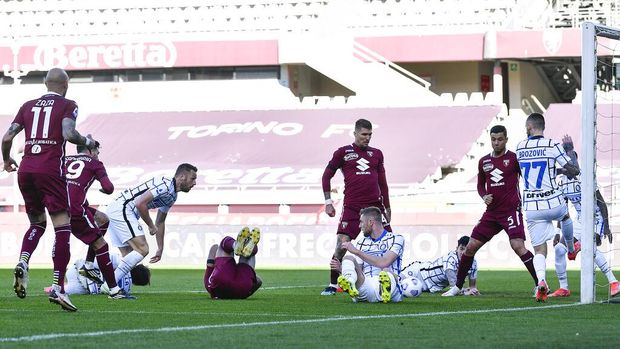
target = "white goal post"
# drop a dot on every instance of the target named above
(590, 33)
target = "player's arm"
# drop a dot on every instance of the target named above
(329, 172)
(72, 135)
(571, 168)
(106, 185)
(482, 186)
(385, 194)
(10, 164)
(141, 203)
(602, 205)
(451, 276)
(160, 221)
(378, 261)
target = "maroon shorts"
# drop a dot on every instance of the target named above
(350, 219)
(492, 223)
(85, 228)
(230, 280)
(41, 191)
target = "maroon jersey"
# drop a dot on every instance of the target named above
(82, 170)
(500, 176)
(42, 121)
(364, 175)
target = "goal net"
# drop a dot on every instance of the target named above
(600, 152)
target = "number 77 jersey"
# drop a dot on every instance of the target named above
(538, 158)
(42, 121)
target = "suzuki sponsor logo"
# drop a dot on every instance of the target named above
(497, 175)
(131, 55)
(362, 164)
(277, 128)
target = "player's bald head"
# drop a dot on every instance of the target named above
(57, 81)
(56, 76)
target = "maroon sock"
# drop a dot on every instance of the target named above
(228, 244)
(61, 254)
(105, 265)
(528, 260)
(334, 274)
(464, 266)
(31, 240)
(208, 273)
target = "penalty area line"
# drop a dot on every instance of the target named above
(49, 336)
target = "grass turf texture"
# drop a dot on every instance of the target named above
(176, 312)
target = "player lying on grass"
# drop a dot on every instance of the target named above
(434, 276)
(76, 283)
(227, 279)
(371, 267)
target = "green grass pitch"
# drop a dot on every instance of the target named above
(176, 312)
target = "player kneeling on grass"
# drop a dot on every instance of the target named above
(371, 267)
(434, 276)
(227, 279)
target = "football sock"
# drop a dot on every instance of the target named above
(464, 266)
(560, 265)
(528, 260)
(539, 265)
(228, 244)
(127, 263)
(348, 271)
(601, 262)
(60, 255)
(105, 265)
(31, 240)
(567, 233)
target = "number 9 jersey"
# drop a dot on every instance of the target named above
(538, 158)
(42, 121)
(82, 170)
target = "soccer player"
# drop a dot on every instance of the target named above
(365, 185)
(543, 200)
(82, 170)
(125, 231)
(572, 190)
(48, 121)
(434, 276)
(224, 277)
(498, 186)
(77, 283)
(370, 270)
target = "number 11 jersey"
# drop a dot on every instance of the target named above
(42, 121)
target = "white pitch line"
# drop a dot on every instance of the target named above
(188, 291)
(43, 337)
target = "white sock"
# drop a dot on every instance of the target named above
(560, 265)
(540, 267)
(348, 271)
(127, 263)
(601, 262)
(567, 233)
